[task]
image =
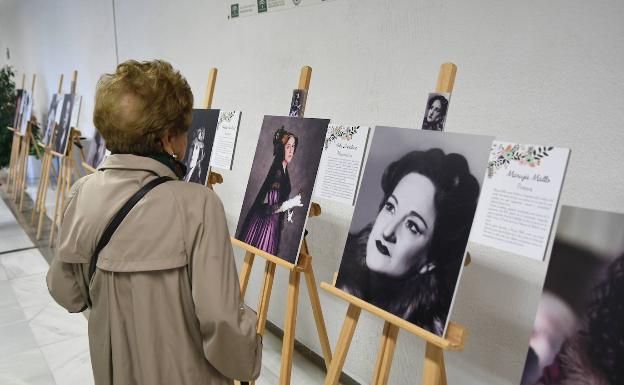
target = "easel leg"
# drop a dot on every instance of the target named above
(442, 370)
(290, 322)
(18, 171)
(36, 207)
(342, 347)
(22, 189)
(60, 181)
(434, 366)
(44, 194)
(318, 314)
(246, 272)
(12, 163)
(265, 296)
(386, 352)
(15, 151)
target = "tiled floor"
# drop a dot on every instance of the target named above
(44, 344)
(41, 342)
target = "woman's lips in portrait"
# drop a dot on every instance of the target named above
(382, 249)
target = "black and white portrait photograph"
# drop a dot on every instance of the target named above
(63, 128)
(18, 108)
(435, 113)
(201, 136)
(97, 150)
(27, 107)
(408, 235)
(297, 104)
(578, 332)
(279, 191)
(51, 121)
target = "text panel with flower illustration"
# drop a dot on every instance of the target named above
(279, 190)
(407, 240)
(341, 163)
(225, 139)
(520, 196)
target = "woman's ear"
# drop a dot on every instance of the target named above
(167, 143)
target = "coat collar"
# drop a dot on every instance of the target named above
(136, 162)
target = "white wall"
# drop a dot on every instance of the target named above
(50, 38)
(532, 71)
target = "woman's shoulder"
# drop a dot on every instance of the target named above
(193, 194)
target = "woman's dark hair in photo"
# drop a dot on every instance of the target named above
(443, 103)
(280, 138)
(455, 200)
(605, 318)
(421, 298)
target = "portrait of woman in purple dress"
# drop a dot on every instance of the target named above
(273, 205)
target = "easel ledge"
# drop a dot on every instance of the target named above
(455, 335)
(269, 257)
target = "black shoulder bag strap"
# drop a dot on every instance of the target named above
(116, 221)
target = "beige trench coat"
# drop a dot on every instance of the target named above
(166, 298)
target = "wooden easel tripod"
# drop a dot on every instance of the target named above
(303, 266)
(45, 169)
(22, 145)
(434, 369)
(15, 148)
(66, 168)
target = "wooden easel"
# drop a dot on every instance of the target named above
(15, 147)
(22, 163)
(434, 372)
(66, 167)
(45, 165)
(304, 265)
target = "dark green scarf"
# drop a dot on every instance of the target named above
(175, 165)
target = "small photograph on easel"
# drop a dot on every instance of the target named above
(279, 190)
(27, 105)
(407, 240)
(63, 128)
(201, 136)
(97, 150)
(297, 104)
(435, 113)
(578, 333)
(18, 108)
(51, 121)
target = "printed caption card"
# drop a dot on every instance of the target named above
(341, 163)
(519, 198)
(225, 139)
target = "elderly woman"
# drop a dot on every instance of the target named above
(165, 300)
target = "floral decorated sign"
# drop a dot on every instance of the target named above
(520, 197)
(502, 155)
(341, 164)
(225, 139)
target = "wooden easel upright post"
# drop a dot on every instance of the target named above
(45, 165)
(434, 372)
(22, 163)
(213, 177)
(304, 265)
(15, 149)
(66, 164)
